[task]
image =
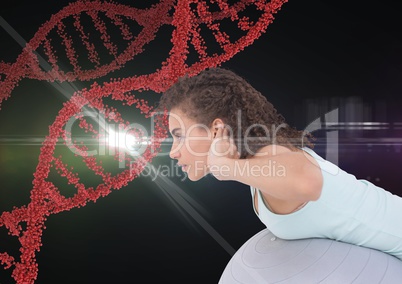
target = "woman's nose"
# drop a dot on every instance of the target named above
(174, 152)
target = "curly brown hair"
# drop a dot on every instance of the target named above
(220, 93)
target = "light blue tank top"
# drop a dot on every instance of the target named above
(349, 210)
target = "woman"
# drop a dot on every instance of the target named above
(222, 126)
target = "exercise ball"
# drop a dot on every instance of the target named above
(265, 258)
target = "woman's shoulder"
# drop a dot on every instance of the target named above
(274, 149)
(310, 169)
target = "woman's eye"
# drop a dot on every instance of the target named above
(179, 137)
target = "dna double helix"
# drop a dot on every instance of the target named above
(189, 19)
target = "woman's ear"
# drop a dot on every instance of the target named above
(216, 124)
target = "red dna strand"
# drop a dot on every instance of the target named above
(27, 64)
(189, 19)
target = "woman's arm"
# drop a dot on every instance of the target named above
(288, 176)
(275, 170)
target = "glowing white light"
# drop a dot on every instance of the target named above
(126, 142)
(122, 140)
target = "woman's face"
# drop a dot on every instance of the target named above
(191, 143)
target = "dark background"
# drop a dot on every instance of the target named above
(317, 56)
